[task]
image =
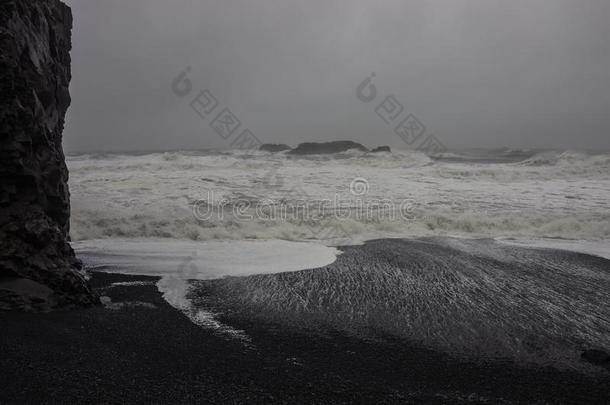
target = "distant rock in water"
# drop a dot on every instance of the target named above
(38, 268)
(314, 148)
(381, 149)
(274, 147)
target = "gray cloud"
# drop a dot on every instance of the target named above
(477, 73)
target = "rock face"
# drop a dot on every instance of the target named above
(274, 147)
(38, 269)
(313, 148)
(381, 149)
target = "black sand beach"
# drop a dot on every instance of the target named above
(187, 224)
(139, 349)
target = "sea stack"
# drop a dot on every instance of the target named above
(38, 268)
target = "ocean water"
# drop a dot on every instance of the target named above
(498, 278)
(204, 196)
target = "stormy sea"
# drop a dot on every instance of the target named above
(496, 257)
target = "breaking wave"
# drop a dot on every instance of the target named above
(546, 194)
(568, 158)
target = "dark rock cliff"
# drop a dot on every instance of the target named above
(38, 269)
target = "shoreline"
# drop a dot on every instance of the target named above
(142, 350)
(139, 354)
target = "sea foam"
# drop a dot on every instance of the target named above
(548, 194)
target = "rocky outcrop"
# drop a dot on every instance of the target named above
(274, 147)
(38, 269)
(381, 149)
(314, 148)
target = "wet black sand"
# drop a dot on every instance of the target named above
(140, 354)
(475, 298)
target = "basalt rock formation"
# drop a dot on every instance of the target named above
(38, 268)
(314, 148)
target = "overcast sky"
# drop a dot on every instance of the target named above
(482, 73)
